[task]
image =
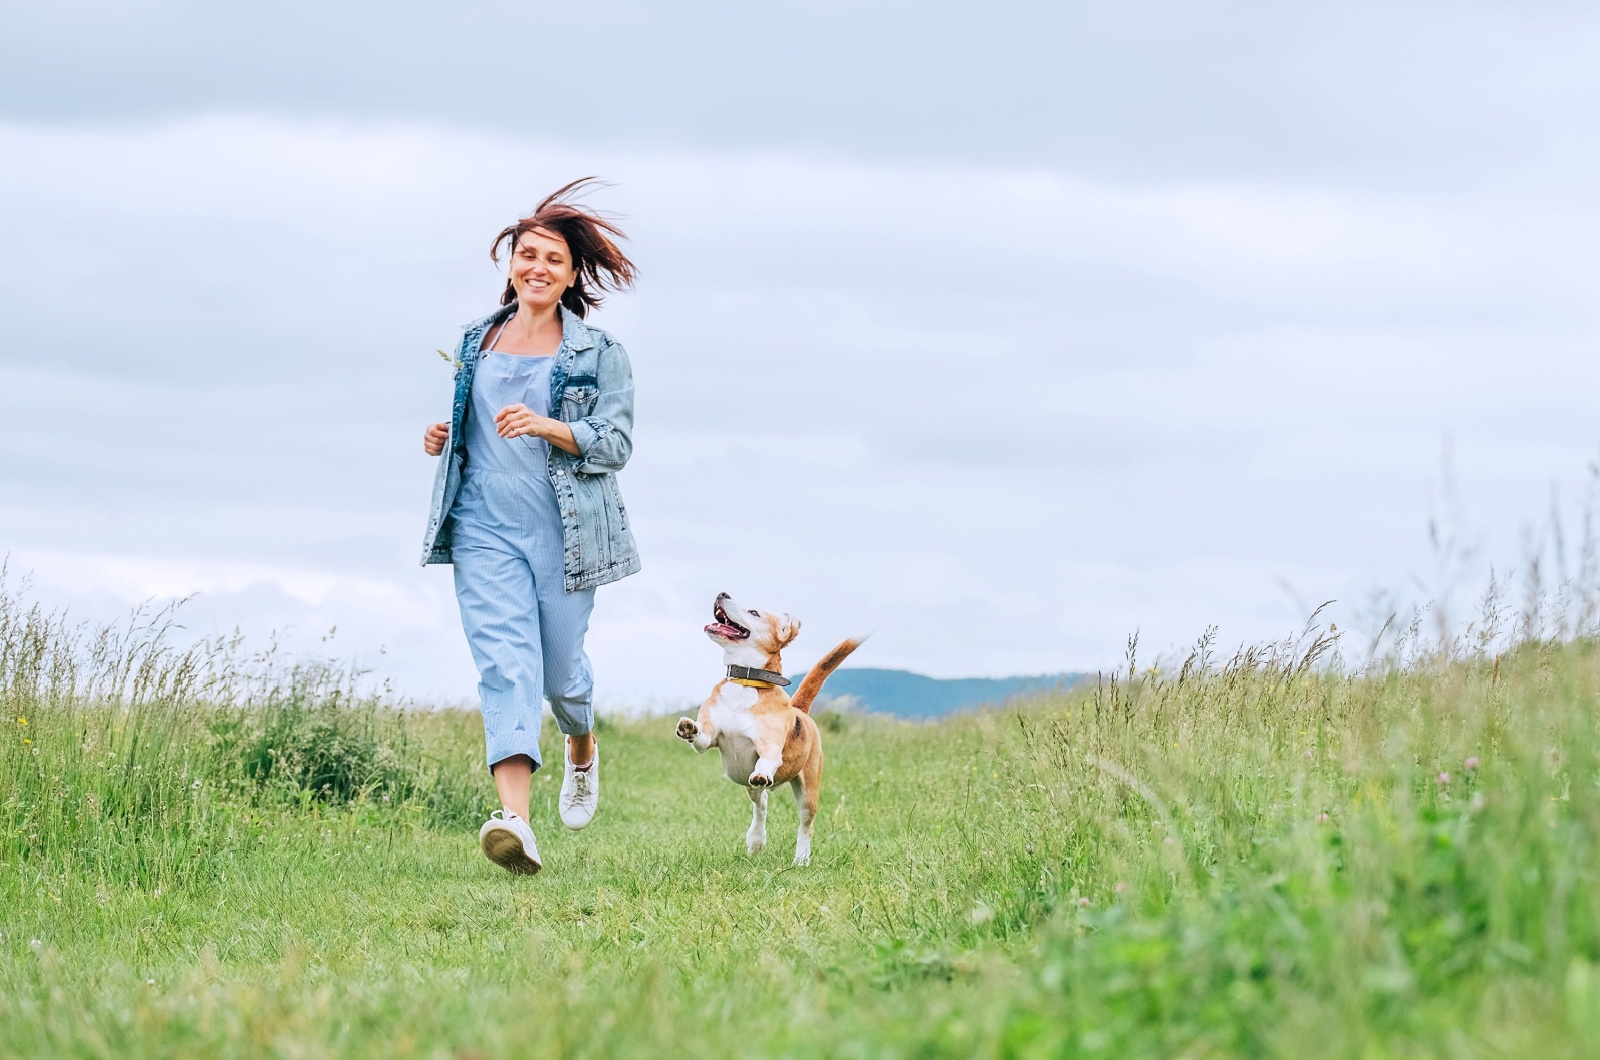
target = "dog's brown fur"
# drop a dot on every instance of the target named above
(787, 747)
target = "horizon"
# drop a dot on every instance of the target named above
(1045, 326)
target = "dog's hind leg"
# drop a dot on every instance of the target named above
(755, 840)
(807, 789)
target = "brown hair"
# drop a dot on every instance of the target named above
(596, 260)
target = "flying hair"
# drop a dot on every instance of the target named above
(600, 265)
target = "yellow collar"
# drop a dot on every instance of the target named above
(752, 684)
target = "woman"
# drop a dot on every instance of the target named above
(525, 503)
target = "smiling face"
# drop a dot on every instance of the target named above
(541, 269)
(749, 637)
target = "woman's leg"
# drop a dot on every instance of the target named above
(563, 620)
(513, 778)
(568, 680)
(500, 613)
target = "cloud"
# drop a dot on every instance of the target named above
(1363, 92)
(1001, 415)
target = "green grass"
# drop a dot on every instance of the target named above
(1256, 860)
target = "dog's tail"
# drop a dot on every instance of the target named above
(819, 673)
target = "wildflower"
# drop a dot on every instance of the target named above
(1167, 841)
(1121, 887)
(26, 742)
(1083, 903)
(1443, 778)
(1028, 849)
(149, 982)
(22, 721)
(1322, 818)
(1471, 763)
(195, 785)
(34, 943)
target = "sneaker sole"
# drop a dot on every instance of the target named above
(503, 847)
(579, 826)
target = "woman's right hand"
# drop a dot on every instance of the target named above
(434, 437)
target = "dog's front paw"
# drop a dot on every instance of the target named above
(687, 729)
(759, 779)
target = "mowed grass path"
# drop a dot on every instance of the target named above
(309, 930)
(1260, 860)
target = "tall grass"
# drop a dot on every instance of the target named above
(121, 747)
(1281, 852)
(1276, 859)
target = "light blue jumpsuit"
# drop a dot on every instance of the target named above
(526, 632)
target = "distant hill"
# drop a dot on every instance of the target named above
(911, 695)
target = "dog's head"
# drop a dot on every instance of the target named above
(748, 637)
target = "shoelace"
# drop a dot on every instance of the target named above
(580, 787)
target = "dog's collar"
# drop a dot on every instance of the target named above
(749, 675)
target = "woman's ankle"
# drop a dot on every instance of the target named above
(573, 743)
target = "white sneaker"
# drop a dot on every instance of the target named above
(507, 840)
(580, 790)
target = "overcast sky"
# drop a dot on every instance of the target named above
(1001, 330)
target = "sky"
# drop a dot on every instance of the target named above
(1002, 331)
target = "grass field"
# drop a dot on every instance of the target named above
(1259, 858)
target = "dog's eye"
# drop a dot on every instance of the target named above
(757, 614)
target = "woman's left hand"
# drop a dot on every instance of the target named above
(516, 420)
(519, 420)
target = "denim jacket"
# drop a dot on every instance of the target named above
(591, 390)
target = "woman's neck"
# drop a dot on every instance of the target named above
(531, 323)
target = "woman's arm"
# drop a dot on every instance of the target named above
(604, 438)
(514, 421)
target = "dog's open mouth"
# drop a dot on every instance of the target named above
(725, 627)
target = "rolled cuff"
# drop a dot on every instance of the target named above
(584, 436)
(501, 746)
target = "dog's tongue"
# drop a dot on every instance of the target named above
(722, 629)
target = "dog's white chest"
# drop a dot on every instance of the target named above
(730, 714)
(736, 730)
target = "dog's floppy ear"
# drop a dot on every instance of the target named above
(788, 629)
